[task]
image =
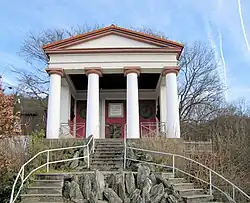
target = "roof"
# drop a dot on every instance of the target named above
(113, 29)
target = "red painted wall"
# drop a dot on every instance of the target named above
(147, 114)
(81, 118)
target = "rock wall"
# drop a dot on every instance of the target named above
(145, 186)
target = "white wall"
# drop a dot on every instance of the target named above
(112, 62)
(65, 102)
(112, 41)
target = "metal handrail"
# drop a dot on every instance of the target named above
(153, 128)
(71, 129)
(21, 173)
(211, 171)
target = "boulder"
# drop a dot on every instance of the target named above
(131, 155)
(152, 178)
(75, 192)
(66, 190)
(75, 162)
(100, 184)
(130, 182)
(112, 182)
(160, 179)
(142, 175)
(121, 191)
(146, 190)
(92, 198)
(111, 196)
(85, 185)
(156, 193)
(115, 179)
(135, 196)
(172, 199)
(165, 198)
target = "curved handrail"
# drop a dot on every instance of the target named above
(47, 151)
(200, 164)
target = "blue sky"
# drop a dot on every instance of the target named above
(216, 22)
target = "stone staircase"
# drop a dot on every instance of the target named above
(45, 188)
(109, 155)
(187, 190)
(108, 158)
(48, 188)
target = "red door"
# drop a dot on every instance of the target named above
(115, 118)
(148, 125)
(80, 118)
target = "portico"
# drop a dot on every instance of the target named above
(110, 82)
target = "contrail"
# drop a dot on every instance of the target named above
(219, 57)
(223, 64)
(243, 26)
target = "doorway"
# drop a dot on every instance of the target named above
(115, 118)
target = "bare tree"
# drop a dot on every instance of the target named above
(200, 89)
(34, 82)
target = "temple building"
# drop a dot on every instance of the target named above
(113, 83)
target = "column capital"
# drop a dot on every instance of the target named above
(170, 69)
(58, 71)
(96, 70)
(132, 69)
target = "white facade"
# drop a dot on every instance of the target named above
(103, 55)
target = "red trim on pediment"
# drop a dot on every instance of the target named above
(135, 35)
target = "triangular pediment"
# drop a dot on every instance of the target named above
(112, 41)
(112, 37)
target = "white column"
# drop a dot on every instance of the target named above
(92, 117)
(162, 101)
(172, 104)
(53, 114)
(133, 126)
(65, 102)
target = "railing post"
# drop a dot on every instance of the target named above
(210, 183)
(173, 164)
(125, 154)
(88, 154)
(22, 177)
(47, 165)
(233, 193)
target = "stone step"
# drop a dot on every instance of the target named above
(166, 175)
(52, 183)
(105, 167)
(111, 144)
(197, 198)
(109, 141)
(192, 191)
(102, 152)
(108, 147)
(107, 155)
(112, 150)
(30, 198)
(106, 162)
(44, 190)
(176, 180)
(109, 159)
(180, 186)
(49, 176)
